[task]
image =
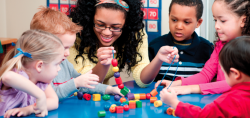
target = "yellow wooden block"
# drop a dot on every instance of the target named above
(115, 69)
(96, 97)
(137, 96)
(158, 103)
(75, 94)
(173, 113)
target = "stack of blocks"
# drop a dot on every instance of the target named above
(118, 80)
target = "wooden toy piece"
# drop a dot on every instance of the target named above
(138, 104)
(126, 102)
(87, 96)
(132, 105)
(117, 74)
(106, 107)
(118, 103)
(112, 109)
(153, 99)
(75, 94)
(126, 107)
(158, 103)
(115, 69)
(96, 97)
(122, 99)
(142, 96)
(101, 113)
(79, 95)
(125, 91)
(169, 111)
(148, 95)
(130, 96)
(137, 96)
(106, 97)
(114, 62)
(119, 109)
(117, 97)
(113, 105)
(154, 92)
(121, 86)
(118, 80)
(173, 113)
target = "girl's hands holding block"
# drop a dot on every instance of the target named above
(105, 55)
(169, 97)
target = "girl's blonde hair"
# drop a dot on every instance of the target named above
(41, 45)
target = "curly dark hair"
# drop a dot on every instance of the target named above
(239, 7)
(190, 3)
(126, 45)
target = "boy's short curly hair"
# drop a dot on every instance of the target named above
(190, 3)
(54, 22)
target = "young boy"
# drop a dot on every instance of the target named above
(235, 64)
(68, 80)
(194, 51)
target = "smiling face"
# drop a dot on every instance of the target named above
(109, 18)
(183, 21)
(227, 24)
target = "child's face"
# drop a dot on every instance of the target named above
(227, 23)
(50, 70)
(183, 21)
(68, 40)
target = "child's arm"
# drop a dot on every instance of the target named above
(52, 99)
(101, 89)
(17, 81)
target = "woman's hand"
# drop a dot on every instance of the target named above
(105, 55)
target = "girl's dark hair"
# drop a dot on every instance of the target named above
(235, 54)
(240, 7)
(126, 45)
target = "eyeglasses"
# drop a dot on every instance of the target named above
(103, 27)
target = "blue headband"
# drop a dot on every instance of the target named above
(24, 53)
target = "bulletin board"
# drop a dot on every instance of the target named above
(151, 19)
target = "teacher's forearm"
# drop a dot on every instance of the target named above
(101, 71)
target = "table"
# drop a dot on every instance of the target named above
(6, 43)
(74, 108)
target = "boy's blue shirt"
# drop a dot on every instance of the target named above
(192, 58)
(64, 85)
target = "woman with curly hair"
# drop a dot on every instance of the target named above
(113, 25)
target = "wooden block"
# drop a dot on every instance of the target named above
(153, 99)
(137, 96)
(142, 96)
(96, 97)
(101, 113)
(158, 103)
(154, 92)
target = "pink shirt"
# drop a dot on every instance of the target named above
(209, 71)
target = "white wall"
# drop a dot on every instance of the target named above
(164, 14)
(17, 15)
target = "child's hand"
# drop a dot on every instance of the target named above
(166, 83)
(25, 111)
(105, 55)
(113, 90)
(169, 96)
(167, 54)
(40, 108)
(186, 89)
(86, 80)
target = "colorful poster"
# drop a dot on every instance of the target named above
(64, 9)
(53, 1)
(64, 1)
(152, 14)
(153, 3)
(53, 6)
(152, 26)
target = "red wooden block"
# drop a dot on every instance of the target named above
(121, 86)
(132, 105)
(126, 107)
(119, 109)
(118, 80)
(142, 96)
(114, 62)
(87, 96)
(112, 109)
(148, 95)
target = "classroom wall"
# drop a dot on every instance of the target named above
(16, 16)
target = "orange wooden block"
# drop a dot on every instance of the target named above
(154, 92)
(112, 109)
(132, 105)
(122, 99)
(169, 111)
(153, 99)
(142, 96)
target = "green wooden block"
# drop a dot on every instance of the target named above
(106, 97)
(126, 102)
(101, 113)
(138, 104)
(125, 91)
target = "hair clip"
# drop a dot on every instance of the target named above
(24, 53)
